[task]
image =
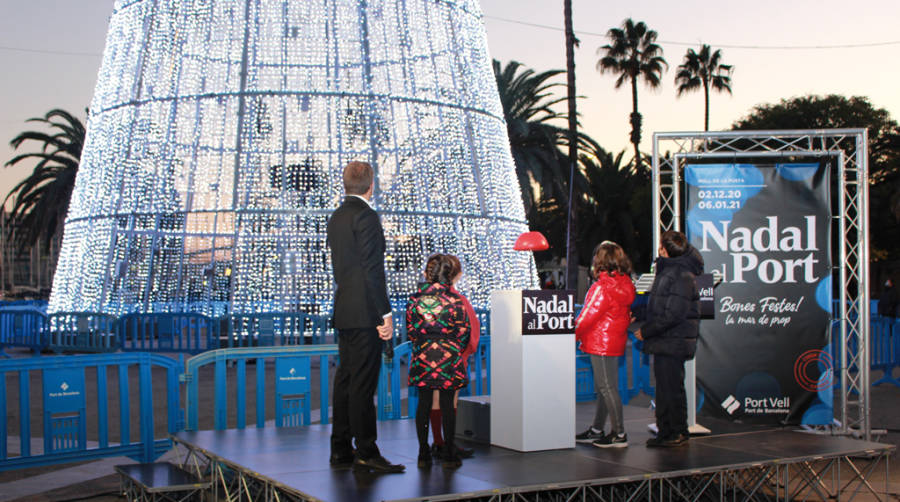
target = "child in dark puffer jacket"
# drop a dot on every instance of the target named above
(670, 333)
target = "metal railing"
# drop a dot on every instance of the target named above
(258, 356)
(82, 332)
(187, 333)
(64, 387)
(274, 329)
(24, 326)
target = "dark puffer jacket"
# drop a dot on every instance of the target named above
(673, 310)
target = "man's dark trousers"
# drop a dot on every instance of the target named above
(671, 400)
(354, 390)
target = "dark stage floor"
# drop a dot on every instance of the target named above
(296, 459)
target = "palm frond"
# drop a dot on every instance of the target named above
(41, 200)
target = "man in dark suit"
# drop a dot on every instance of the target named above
(362, 318)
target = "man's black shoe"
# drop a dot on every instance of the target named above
(464, 452)
(654, 442)
(377, 464)
(341, 460)
(676, 440)
(671, 441)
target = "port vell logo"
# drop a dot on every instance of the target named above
(757, 406)
(548, 312)
(291, 376)
(779, 405)
(64, 391)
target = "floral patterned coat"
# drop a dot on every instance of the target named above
(438, 328)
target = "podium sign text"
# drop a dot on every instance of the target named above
(548, 312)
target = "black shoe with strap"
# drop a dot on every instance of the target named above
(451, 458)
(451, 462)
(424, 460)
(377, 464)
(437, 451)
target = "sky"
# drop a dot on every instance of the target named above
(50, 53)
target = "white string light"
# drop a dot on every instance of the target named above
(215, 147)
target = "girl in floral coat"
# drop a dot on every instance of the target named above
(438, 328)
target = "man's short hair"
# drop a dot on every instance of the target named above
(675, 243)
(358, 177)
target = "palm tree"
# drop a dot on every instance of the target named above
(614, 206)
(633, 54)
(571, 213)
(703, 70)
(535, 139)
(537, 144)
(41, 200)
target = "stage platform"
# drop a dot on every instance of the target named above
(768, 464)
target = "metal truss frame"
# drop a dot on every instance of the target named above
(850, 147)
(808, 479)
(134, 492)
(826, 478)
(230, 482)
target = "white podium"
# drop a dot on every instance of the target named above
(532, 375)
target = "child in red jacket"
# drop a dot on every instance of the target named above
(602, 328)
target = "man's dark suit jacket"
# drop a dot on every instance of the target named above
(356, 239)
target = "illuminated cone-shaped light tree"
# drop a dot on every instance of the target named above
(218, 132)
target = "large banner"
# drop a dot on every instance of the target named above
(765, 230)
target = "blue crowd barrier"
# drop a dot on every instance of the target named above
(292, 387)
(63, 380)
(82, 332)
(479, 368)
(63, 405)
(38, 304)
(628, 388)
(885, 348)
(393, 378)
(187, 333)
(23, 327)
(274, 329)
(584, 377)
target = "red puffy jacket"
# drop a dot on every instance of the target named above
(602, 325)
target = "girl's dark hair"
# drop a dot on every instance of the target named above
(442, 268)
(456, 268)
(431, 265)
(609, 257)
